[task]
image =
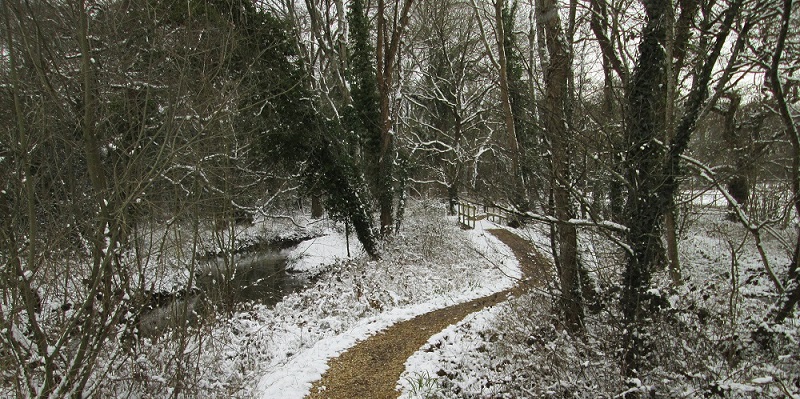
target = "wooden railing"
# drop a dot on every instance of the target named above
(467, 214)
(496, 214)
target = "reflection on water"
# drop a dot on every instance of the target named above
(259, 278)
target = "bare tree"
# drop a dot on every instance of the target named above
(791, 295)
(125, 132)
(653, 182)
(446, 87)
(556, 108)
(495, 19)
(390, 29)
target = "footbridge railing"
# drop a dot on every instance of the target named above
(467, 214)
(470, 212)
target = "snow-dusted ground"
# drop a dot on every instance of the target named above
(276, 352)
(703, 340)
(488, 266)
(315, 255)
(452, 346)
(702, 344)
(445, 354)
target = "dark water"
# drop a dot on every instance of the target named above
(260, 278)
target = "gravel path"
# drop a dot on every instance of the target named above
(372, 368)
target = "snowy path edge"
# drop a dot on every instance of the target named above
(294, 378)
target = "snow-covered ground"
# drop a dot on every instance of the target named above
(317, 254)
(486, 266)
(278, 351)
(703, 341)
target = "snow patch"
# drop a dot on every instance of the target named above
(312, 256)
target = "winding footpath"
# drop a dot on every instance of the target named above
(371, 368)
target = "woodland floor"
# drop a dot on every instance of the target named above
(372, 368)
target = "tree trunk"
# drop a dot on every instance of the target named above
(678, 35)
(671, 235)
(611, 63)
(738, 185)
(452, 196)
(505, 99)
(555, 119)
(786, 303)
(316, 207)
(644, 125)
(653, 182)
(388, 44)
(671, 228)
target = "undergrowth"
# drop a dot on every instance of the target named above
(703, 336)
(226, 353)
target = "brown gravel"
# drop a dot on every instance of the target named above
(371, 368)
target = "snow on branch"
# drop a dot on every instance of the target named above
(604, 225)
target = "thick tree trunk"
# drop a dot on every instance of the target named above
(317, 209)
(388, 45)
(555, 119)
(791, 295)
(452, 195)
(738, 185)
(644, 125)
(653, 182)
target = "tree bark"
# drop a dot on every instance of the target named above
(388, 44)
(555, 125)
(505, 101)
(786, 303)
(317, 209)
(678, 35)
(645, 104)
(611, 65)
(653, 182)
(734, 138)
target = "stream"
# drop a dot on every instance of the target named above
(259, 277)
(223, 283)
